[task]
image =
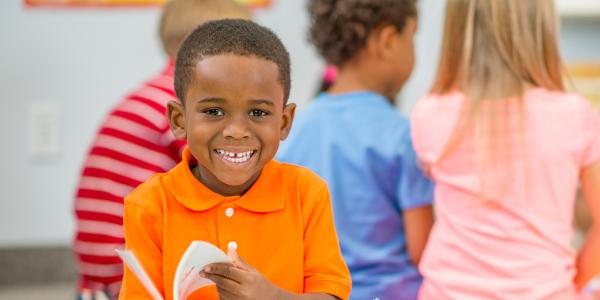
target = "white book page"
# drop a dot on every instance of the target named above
(196, 257)
(134, 265)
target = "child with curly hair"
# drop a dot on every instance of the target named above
(353, 137)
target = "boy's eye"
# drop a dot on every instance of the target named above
(214, 112)
(258, 113)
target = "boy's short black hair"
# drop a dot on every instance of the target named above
(340, 28)
(230, 36)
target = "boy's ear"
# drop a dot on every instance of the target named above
(386, 38)
(176, 115)
(288, 117)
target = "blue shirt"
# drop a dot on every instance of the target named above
(362, 147)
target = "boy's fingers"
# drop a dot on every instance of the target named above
(225, 270)
(223, 283)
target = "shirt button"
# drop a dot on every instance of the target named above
(229, 212)
(232, 245)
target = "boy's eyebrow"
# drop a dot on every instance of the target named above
(211, 99)
(262, 101)
(221, 100)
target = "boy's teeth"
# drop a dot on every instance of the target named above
(236, 157)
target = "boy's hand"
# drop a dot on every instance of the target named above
(239, 280)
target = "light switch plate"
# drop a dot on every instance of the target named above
(44, 130)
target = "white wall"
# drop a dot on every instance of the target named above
(427, 46)
(84, 60)
(580, 39)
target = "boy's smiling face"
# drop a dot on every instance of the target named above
(233, 119)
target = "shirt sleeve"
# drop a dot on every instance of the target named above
(324, 268)
(591, 135)
(143, 238)
(414, 189)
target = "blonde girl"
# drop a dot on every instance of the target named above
(507, 148)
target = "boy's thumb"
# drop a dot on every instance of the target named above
(237, 260)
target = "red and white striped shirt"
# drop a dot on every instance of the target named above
(133, 143)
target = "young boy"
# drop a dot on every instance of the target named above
(233, 79)
(353, 137)
(133, 143)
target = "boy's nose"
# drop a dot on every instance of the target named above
(237, 128)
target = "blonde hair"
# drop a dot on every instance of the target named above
(180, 17)
(492, 51)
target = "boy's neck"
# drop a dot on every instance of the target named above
(207, 179)
(358, 77)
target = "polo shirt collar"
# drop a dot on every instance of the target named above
(265, 195)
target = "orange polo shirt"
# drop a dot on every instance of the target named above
(283, 227)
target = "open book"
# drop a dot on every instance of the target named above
(187, 276)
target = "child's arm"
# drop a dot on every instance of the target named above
(417, 225)
(415, 195)
(240, 281)
(588, 260)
